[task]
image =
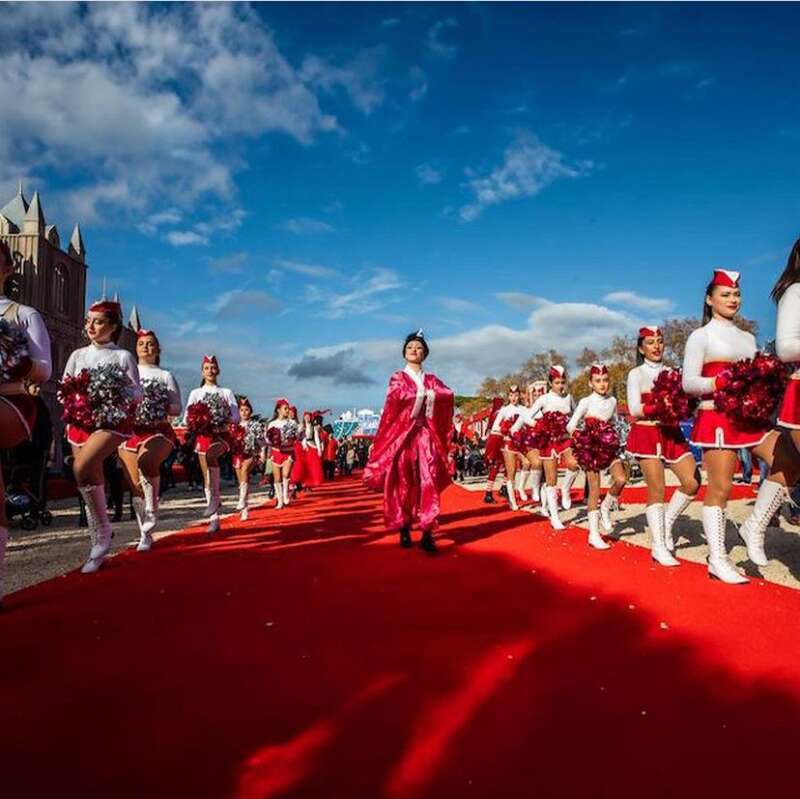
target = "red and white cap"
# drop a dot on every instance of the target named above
(725, 277)
(281, 401)
(106, 306)
(210, 359)
(512, 388)
(556, 371)
(141, 333)
(649, 330)
(598, 369)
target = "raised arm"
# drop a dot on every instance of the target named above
(693, 381)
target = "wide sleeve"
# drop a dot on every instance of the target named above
(72, 362)
(175, 404)
(787, 332)
(613, 409)
(38, 347)
(634, 394)
(577, 415)
(693, 357)
(131, 369)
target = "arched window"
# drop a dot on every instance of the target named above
(59, 289)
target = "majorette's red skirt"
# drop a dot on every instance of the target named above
(278, 458)
(142, 436)
(494, 444)
(556, 450)
(511, 444)
(25, 407)
(78, 436)
(203, 443)
(789, 414)
(714, 430)
(652, 440)
(240, 457)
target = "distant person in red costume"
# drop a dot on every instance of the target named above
(330, 448)
(408, 461)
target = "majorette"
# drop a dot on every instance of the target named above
(153, 438)
(282, 433)
(248, 448)
(33, 365)
(503, 423)
(212, 445)
(710, 351)
(655, 444)
(787, 339)
(103, 328)
(492, 453)
(601, 406)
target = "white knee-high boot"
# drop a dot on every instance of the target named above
(595, 539)
(150, 489)
(99, 526)
(677, 504)
(286, 497)
(719, 566)
(552, 507)
(566, 488)
(512, 499)
(536, 484)
(244, 493)
(522, 479)
(607, 507)
(3, 544)
(770, 497)
(278, 495)
(656, 523)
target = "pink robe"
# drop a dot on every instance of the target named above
(409, 459)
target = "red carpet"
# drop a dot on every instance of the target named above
(305, 654)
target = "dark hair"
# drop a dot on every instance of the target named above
(416, 337)
(790, 275)
(708, 314)
(203, 377)
(158, 344)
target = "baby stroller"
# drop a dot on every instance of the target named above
(25, 474)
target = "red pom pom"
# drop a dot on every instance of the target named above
(550, 429)
(671, 404)
(595, 446)
(198, 419)
(752, 390)
(73, 394)
(236, 439)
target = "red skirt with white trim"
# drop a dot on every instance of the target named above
(25, 407)
(789, 414)
(657, 441)
(715, 430)
(556, 450)
(141, 436)
(78, 436)
(203, 443)
(278, 458)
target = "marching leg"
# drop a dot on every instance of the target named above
(99, 526)
(552, 507)
(770, 497)
(656, 523)
(595, 539)
(675, 507)
(719, 566)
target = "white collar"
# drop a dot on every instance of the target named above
(600, 396)
(417, 377)
(108, 345)
(652, 364)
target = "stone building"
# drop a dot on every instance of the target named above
(52, 278)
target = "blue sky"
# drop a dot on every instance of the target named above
(296, 186)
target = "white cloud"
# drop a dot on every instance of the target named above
(434, 41)
(170, 216)
(457, 305)
(312, 270)
(138, 103)
(183, 238)
(230, 264)
(634, 300)
(367, 295)
(359, 77)
(427, 175)
(238, 302)
(305, 224)
(528, 167)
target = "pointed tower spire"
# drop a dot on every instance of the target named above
(105, 289)
(19, 187)
(76, 246)
(133, 320)
(34, 221)
(116, 296)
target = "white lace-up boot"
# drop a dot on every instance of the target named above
(719, 566)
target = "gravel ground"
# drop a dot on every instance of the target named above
(782, 546)
(47, 552)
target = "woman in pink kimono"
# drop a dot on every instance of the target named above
(408, 461)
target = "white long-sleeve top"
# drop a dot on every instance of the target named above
(197, 394)
(32, 324)
(717, 340)
(311, 437)
(593, 407)
(787, 332)
(640, 381)
(98, 354)
(505, 413)
(152, 372)
(547, 403)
